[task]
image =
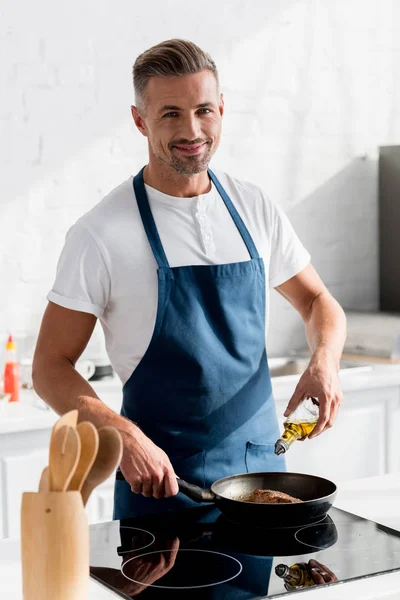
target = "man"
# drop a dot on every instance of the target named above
(174, 262)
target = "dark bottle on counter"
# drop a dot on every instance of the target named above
(295, 577)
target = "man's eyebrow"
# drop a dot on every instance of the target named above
(173, 107)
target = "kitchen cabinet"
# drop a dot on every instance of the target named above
(393, 433)
(364, 442)
(100, 505)
(20, 473)
(23, 455)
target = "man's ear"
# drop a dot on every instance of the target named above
(221, 105)
(139, 121)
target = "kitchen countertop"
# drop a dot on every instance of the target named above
(31, 413)
(376, 498)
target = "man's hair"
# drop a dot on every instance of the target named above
(168, 59)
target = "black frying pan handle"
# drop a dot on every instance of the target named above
(194, 492)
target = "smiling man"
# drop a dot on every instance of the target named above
(177, 263)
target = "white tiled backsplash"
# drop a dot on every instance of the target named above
(309, 88)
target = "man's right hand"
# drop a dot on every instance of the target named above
(146, 467)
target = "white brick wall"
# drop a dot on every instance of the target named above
(310, 87)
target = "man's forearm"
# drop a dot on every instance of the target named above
(326, 328)
(64, 389)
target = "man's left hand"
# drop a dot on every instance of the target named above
(320, 380)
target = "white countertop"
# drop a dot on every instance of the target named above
(31, 413)
(10, 576)
(376, 498)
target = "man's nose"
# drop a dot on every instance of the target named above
(191, 129)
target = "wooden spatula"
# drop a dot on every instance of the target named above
(70, 418)
(65, 448)
(89, 446)
(108, 458)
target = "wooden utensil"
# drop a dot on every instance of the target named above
(108, 458)
(70, 418)
(89, 446)
(65, 448)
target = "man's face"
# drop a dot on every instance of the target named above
(183, 120)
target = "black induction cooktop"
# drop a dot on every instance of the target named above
(198, 554)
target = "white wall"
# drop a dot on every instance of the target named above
(310, 88)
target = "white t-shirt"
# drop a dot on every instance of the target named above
(107, 267)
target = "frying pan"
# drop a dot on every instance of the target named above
(316, 493)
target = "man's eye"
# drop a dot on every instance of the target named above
(174, 113)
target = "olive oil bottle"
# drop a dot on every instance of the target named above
(299, 424)
(295, 577)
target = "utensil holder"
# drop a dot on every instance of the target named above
(54, 546)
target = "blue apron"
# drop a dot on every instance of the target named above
(202, 391)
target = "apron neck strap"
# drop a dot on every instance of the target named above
(148, 220)
(244, 232)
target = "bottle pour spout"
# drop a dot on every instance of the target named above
(281, 570)
(281, 446)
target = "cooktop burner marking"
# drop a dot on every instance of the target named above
(184, 587)
(152, 538)
(360, 538)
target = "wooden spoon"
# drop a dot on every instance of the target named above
(89, 446)
(65, 448)
(108, 458)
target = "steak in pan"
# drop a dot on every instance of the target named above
(271, 497)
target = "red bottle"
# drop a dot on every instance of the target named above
(11, 371)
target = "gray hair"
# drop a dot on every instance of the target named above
(171, 58)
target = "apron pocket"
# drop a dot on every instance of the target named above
(261, 458)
